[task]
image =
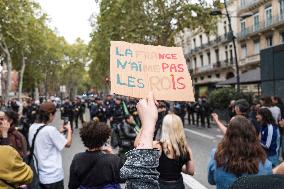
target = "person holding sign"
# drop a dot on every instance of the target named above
(175, 154)
(140, 168)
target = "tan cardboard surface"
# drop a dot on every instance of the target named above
(136, 69)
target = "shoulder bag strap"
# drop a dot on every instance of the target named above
(33, 143)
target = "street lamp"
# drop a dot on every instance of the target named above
(216, 12)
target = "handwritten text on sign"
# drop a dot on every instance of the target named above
(137, 69)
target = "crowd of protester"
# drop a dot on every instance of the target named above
(152, 147)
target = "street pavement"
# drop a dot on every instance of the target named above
(201, 140)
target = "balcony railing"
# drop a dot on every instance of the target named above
(276, 20)
(212, 67)
(219, 39)
(205, 68)
(250, 60)
(224, 63)
(248, 3)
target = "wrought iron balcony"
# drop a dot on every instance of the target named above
(224, 63)
(248, 3)
(219, 39)
(213, 67)
(261, 26)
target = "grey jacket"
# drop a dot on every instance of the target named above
(140, 169)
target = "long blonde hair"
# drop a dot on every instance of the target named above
(173, 136)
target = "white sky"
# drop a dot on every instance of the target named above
(71, 17)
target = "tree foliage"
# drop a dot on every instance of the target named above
(49, 59)
(220, 98)
(155, 22)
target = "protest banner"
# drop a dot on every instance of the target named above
(136, 69)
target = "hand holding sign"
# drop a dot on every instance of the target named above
(137, 69)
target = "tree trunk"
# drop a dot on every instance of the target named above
(1, 78)
(5, 49)
(21, 81)
(36, 96)
(75, 92)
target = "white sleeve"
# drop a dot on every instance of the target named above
(57, 139)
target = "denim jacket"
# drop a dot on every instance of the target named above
(223, 180)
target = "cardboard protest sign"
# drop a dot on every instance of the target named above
(137, 69)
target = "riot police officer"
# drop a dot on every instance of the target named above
(30, 111)
(79, 110)
(206, 112)
(67, 112)
(180, 110)
(116, 121)
(131, 106)
(98, 110)
(190, 113)
(109, 106)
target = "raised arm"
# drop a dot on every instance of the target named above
(219, 124)
(140, 167)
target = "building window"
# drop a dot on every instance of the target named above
(226, 56)
(194, 43)
(243, 3)
(269, 41)
(209, 76)
(225, 27)
(201, 60)
(209, 57)
(231, 56)
(195, 80)
(218, 75)
(217, 55)
(244, 51)
(282, 36)
(200, 37)
(243, 28)
(281, 9)
(256, 46)
(194, 61)
(268, 16)
(201, 78)
(256, 22)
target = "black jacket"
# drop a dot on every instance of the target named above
(94, 169)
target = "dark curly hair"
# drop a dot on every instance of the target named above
(240, 150)
(94, 134)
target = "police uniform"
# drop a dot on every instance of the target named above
(118, 115)
(98, 110)
(180, 110)
(67, 111)
(109, 106)
(131, 106)
(79, 110)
